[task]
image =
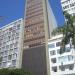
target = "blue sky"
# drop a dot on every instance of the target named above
(14, 9)
(57, 10)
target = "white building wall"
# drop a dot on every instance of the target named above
(66, 61)
(11, 44)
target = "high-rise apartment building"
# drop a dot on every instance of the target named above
(11, 45)
(69, 6)
(61, 64)
(39, 23)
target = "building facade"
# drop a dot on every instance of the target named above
(61, 64)
(69, 6)
(39, 23)
(11, 36)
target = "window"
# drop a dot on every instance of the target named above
(58, 44)
(52, 52)
(53, 60)
(51, 45)
(6, 53)
(54, 69)
(10, 51)
(71, 67)
(4, 64)
(70, 58)
(15, 50)
(1, 59)
(18, 26)
(67, 49)
(58, 51)
(7, 47)
(1, 54)
(62, 68)
(10, 29)
(9, 57)
(0, 65)
(13, 62)
(65, 58)
(14, 56)
(11, 45)
(17, 34)
(66, 7)
(5, 58)
(16, 44)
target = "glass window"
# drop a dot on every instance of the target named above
(15, 44)
(70, 57)
(4, 64)
(6, 53)
(11, 45)
(51, 45)
(0, 65)
(65, 58)
(58, 51)
(53, 60)
(54, 69)
(10, 29)
(13, 62)
(1, 59)
(58, 44)
(10, 51)
(15, 50)
(5, 58)
(18, 26)
(52, 52)
(7, 47)
(62, 68)
(67, 49)
(71, 67)
(9, 57)
(14, 56)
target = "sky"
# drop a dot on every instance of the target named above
(57, 10)
(12, 10)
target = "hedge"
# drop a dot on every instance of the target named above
(13, 72)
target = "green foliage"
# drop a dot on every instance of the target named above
(13, 72)
(68, 31)
(59, 30)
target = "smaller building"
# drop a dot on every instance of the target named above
(61, 64)
(11, 36)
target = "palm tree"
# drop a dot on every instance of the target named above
(68, 32)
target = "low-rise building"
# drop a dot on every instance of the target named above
(61, 64)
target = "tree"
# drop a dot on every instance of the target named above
(68, 32)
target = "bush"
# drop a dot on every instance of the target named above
(13, 72)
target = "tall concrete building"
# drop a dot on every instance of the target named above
(11, 36)
(69, 6)
(39, 23)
